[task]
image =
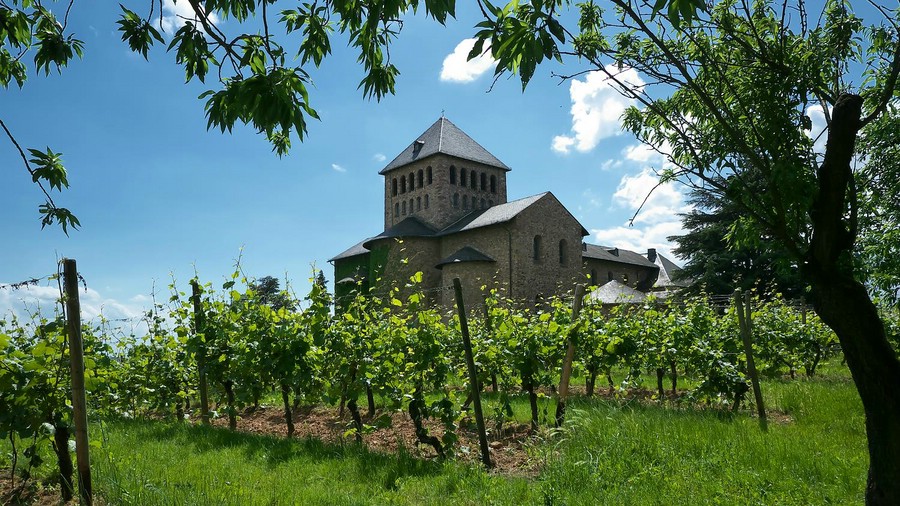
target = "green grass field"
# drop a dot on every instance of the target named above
(609, 452)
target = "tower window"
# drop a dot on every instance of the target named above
(402, 184)
(563, 258)
(426, 201)
(465, 201)
(462, 177)
(418, 203)
(474, 180)
(396, 209)
(493, 184)
(412, 181)
(483, 181)
(410, 206)
(403, 208)
(428, 174)
(482, 203)
(420, 180)
(536, 247)
(394, 187)
(452, 175)
(456, 200)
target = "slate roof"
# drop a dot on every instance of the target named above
(612, 254)
(500, 213)
(614, 292)
(444, 137)
(466, 254)
(408, 227)
(352, 251)
(668, 271)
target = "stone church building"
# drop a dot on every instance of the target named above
(446, 214)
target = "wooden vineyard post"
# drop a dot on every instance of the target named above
(570, 357)
(76, 361)
(473, 374)
(746, 324)
(201, 357)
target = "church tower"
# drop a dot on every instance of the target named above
(442, 176)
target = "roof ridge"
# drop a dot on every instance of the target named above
(441, 135)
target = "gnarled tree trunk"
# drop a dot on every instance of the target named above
(843, 304)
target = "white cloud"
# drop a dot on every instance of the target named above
(176, 14)
(596, 110)
(379, 157)
(29, 300)
(337, 168)
(634, 192)
(658, 217)
(458, 68)
(639, 239)
(817, 114)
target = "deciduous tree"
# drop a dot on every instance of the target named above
(730, 93)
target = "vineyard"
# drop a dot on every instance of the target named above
(378, 358)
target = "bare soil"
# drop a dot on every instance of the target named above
(388, 432)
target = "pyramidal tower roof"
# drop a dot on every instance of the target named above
(444, 137)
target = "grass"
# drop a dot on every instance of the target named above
(608, 453)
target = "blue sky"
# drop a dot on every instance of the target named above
(160, 196)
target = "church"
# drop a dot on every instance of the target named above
(447, 215)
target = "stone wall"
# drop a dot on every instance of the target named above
(634, 276)
(535, 279)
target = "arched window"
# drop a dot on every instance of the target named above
(462, 177)
(394, 187)
(396, 209)
(426, 201)
(483, 181)
(563, 258)
(412, 181)
(420, 180)
(428, 174)
(403, 208)
(474, 180)
(493, 184)
(482, 203)
(536, 246)
(452, 175)
(418, 203)
(456, 200)
(410, 206)
(465, 201)
(402, 184)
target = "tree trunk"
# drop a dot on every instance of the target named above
(532, 399)
(64, 461)
(288, 416)
(494, 383)
(232, 412)
(609, 381)
(674, 373)
(589, 383)
(660, 376)
(370, 397)
(416, 406)
(844, 305)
